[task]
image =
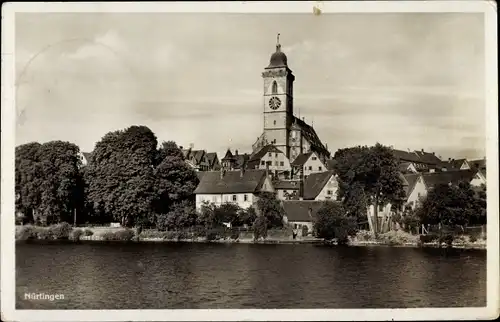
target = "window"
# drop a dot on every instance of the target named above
(270, 154)
(282, 163)
(276, 155)
(314, 158)
(274, 122)
(262, 162)
(320, 168)
(275, 88)
(310, 168)
(245, 197)
(294, 226)
(234, 198)
(214, 198)
(329, 192)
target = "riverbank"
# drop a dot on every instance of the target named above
(110, 234)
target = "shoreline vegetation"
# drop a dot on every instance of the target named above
(362, 238)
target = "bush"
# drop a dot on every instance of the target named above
(25, 233)
(235, 235)
(364, 235)
(462, 239)
(260, 227)
(473, 239)
(428, 238)
(88, 232)
(120, 235)
(61, 231)
(398, 237)
(75, 234)
(447, 239)
(44, 233)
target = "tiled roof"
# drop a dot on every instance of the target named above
(310, 134)
(403, 166)
(301, 159)
(406, 156)
(211, 182)
(211, 157)
(411, 180)
(301, 210)
(329, 164)
(478, 164)
(455, 176)
(427, 157)
(200, 174)
(228, 155)
(315, 182)
(286, 184)
(453, 164)
(265, 149)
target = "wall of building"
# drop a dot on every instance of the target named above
(419, 191)
(313, 165)
(219, 199)
(279, 162)
(330, 190)
(478, 180)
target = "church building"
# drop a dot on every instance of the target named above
(282, 128)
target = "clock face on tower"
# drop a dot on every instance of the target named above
(274, 103)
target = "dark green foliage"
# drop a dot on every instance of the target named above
(450, 205)
(88, 232)
(333, 222)
(367, 176)
(473, 239)
(429, 238)
(247, 216)
(61, 231)
(270, 207)
(48, 181)
(260, 227)
(447, 239)
(181, 215)
(120, 235)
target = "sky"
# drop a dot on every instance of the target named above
(408, 80)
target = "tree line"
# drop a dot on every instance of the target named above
(127, 180)
(130, 180)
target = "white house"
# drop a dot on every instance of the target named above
(321, 186)
(300, 213)
(309, 163)
(273, 159)
(239, 187)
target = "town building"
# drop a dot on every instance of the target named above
(235, 161)
(282, 128)
(415, 189)
(240, 187)
(300, 213)
(421, 161)
(321, 186)
(452, 164)
(308, 163)
(272, 159)
(452, 177)
(287, 189)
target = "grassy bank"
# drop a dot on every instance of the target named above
(277, 236)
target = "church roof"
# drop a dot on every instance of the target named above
(310, 135)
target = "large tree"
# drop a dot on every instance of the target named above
(121, 181)
(270, 207)
(368, 176)
(48, 181)
(332, 222)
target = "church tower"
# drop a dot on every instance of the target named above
(278, 100)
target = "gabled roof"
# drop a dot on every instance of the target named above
(428, 157)
(228, 155)
(403, 166)
(270, 148)
(411, 180)
(286, 184)
(478, 164)
(212, 182)
(302, 210)
(446, 177)
(453, 164)
(315, 182)
(212, 157)
(406, 156)
(301, 159)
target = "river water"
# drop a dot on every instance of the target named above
(240, 276)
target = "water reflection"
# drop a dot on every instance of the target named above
(161, 276)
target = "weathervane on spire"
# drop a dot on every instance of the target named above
(278, 46)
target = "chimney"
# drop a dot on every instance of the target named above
(181, 147)
(422, 150)
(191, 145)
(449, 159)
(235, 152)
(433, 153)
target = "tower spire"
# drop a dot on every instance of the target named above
(278, 46)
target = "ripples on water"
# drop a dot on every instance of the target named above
(196, 276)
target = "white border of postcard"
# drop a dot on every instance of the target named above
(8, 311)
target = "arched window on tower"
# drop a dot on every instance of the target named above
(275, 88)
